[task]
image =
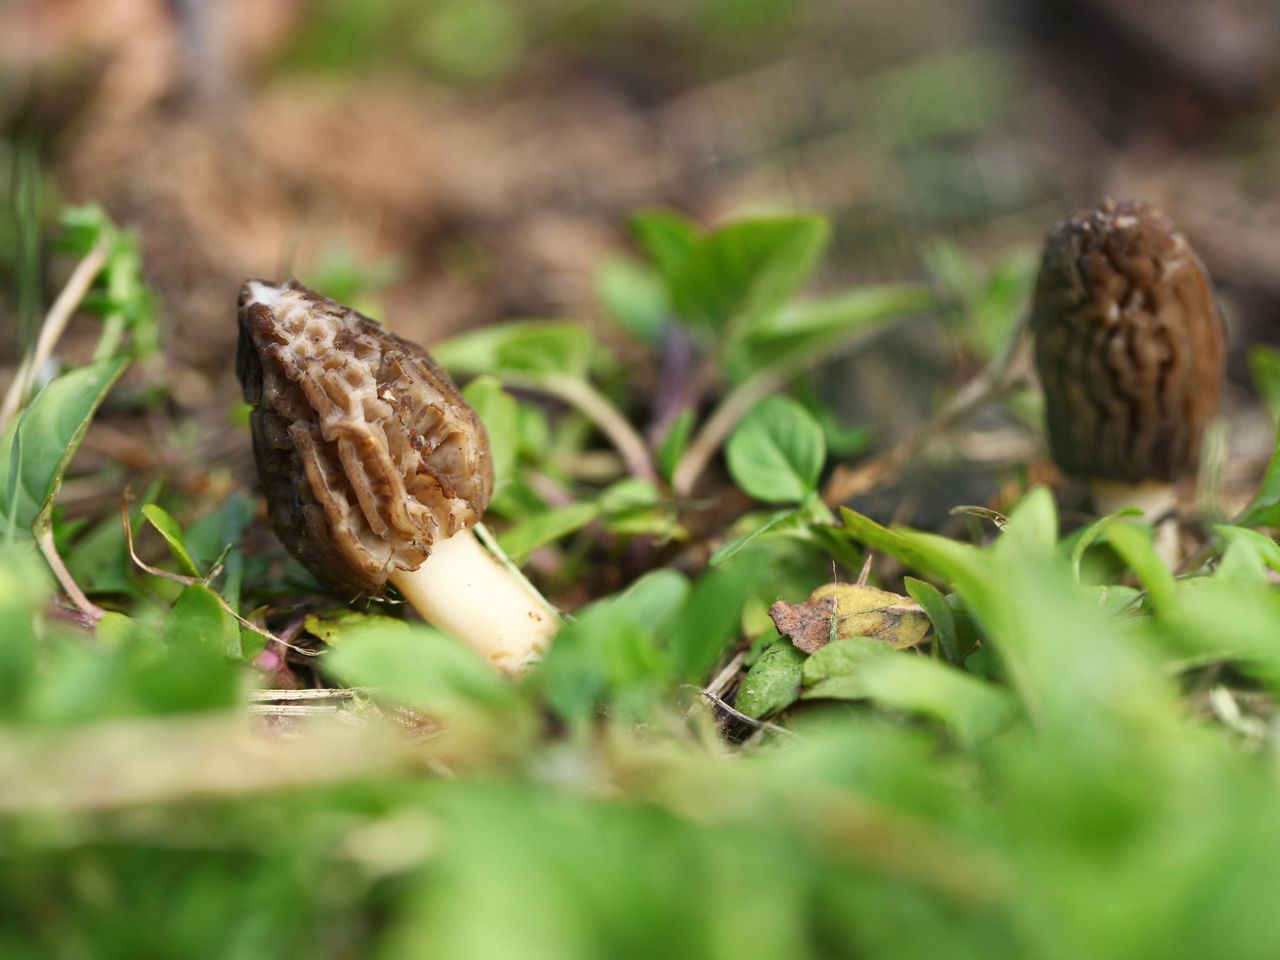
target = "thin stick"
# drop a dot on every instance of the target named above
(595, 407)
(55, 324)
(308, 693)
(725, 677)
(295, 709)
(1000, 375)
(865, 572)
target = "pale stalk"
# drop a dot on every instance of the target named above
(463, 589)
(1155, 498)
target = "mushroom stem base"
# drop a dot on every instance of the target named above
(462, 589)
(1155, 499)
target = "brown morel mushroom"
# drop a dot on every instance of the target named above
(375, 468)
(1130, 347)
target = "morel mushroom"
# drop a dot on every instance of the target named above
(375, 468)
(1130, 347)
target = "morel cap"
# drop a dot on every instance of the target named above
(1129, 344)
(367, 453)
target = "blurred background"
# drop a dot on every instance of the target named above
(457, 162)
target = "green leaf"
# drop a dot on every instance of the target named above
(713, 614)
(336, 626)
(634, 296)
(1032, 527)
(1264, 366)
(742, 272)
(772, 683)
(37, 447)
(1264, 510)
(416, 666)
(172, 533)
(1089, 536)
(542, 528)
(937, 557)
(610, 652)
(667, 238)
(805, 327)
(199, 619)
(777, 451)
(500, 414)
(81, 227)
(835, 671)
(973, 708)
(531, 346)
(629, 493)
(940, 615)
(24, 587)
(1267, 549)
(656, 599)
(1133, 542)
(772, 522)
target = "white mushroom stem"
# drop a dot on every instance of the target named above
(463, 589)
(1155, 498)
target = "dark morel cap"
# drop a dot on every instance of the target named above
(1129, 344)
(365, 449)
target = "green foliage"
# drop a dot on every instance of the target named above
(736, 276)
(500, 414)
(1265, 508)
(1076, 760)
(172, 533)
(777, 452)
(120, 296)
(532, 346)
(37, 447)
(341, 276)
(414, 666)
(1264, 365)
(526, 536)
(773, 682)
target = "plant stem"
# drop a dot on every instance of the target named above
(595, 407)
(55, 323)
(997, 377)
(739, 401)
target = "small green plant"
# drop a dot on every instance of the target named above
(744, 743)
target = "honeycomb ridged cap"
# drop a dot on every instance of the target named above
(1129, 344)
(366, 451)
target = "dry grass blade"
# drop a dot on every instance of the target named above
(55, 323)
(173, 758)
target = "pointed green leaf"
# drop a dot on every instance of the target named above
(172, 533)
(37, 447)
(546, 527)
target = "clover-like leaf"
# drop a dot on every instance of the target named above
(777, 451)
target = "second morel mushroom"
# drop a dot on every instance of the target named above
(1130, 347)
(375, 468)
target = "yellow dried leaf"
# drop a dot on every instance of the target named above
(839, 610)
